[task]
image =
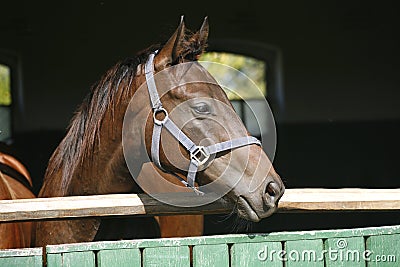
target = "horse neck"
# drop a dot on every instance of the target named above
(106, 171)
(5, 190)
(10, 187)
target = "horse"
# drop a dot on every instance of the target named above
(90, 160)
(15, 183)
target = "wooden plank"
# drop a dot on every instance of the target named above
(101, 205)
(344, 199)
(345, 251)
(256, 254)
(166, 256)
(21, 252)
(22, 257)
(304, 253)
(211, 255)
(294, 200)
(119, 258)
(54, 260)
(32, 261)
(383, 250)
(81, 259)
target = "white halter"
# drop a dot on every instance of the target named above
(198, 154)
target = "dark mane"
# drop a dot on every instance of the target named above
(83, 131)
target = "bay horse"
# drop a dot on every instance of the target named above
(15, 183)
(90, 159)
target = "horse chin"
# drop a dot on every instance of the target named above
(245, 210)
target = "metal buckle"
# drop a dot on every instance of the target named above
(155, 112)
(200, 155)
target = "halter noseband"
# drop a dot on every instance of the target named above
(198, 154)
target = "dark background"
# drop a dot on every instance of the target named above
(340, 125)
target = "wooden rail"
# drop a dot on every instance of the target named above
(294, 200)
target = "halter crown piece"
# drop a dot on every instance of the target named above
(198, 154)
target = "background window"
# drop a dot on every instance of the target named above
(247, 103)
(5, 102)
(253, 68)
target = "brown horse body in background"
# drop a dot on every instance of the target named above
(90, 159)
(15, 235)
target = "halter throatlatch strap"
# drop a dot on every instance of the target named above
(199, 155)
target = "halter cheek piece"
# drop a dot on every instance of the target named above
(198, 154)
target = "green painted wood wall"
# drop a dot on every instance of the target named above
(377, 246)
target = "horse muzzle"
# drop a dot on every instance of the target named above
(258, 205)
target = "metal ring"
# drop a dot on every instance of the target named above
(155, 112)
(200, 155)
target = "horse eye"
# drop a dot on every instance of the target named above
(202, 108)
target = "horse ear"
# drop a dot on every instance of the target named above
(203, 33)
(198, 42)
(169, 53)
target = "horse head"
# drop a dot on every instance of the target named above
(204, 130)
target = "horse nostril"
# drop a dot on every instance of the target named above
(272, 194)
(270, 189)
